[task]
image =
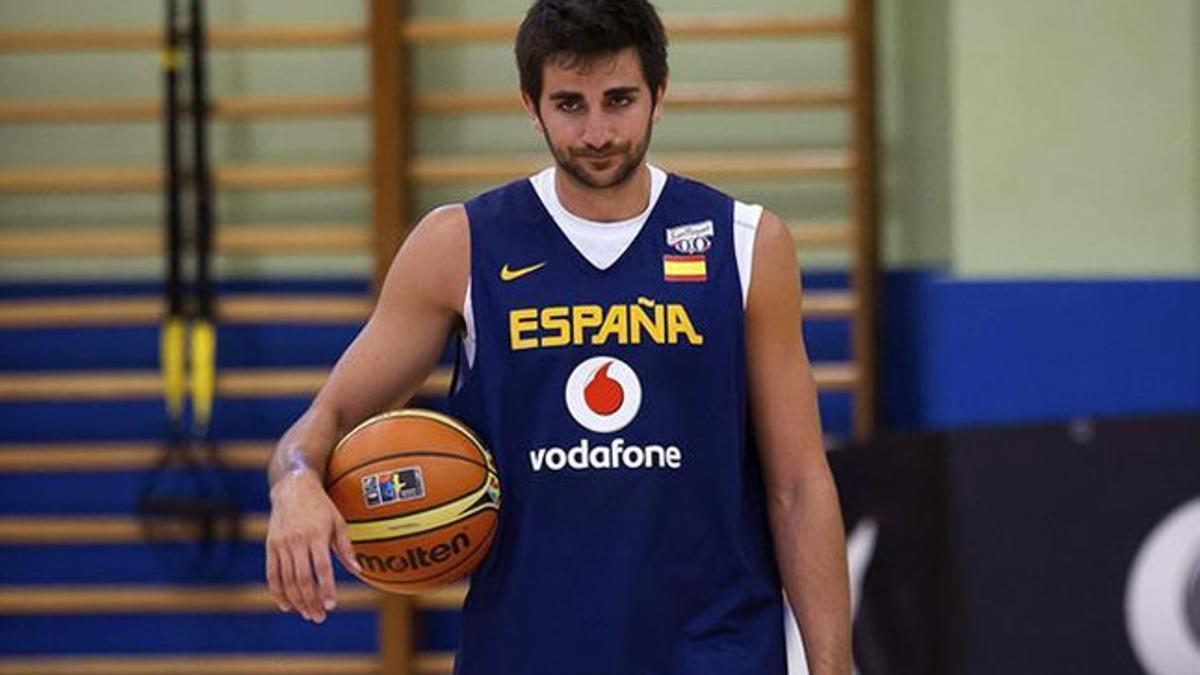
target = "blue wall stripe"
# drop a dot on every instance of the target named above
(262, 419)
(136, 347)
(119, 564)
(145, 420)
(251, 346)
(117, 492)
(961, 353)
(272, 631)
(955, 353)
(139, 420)
(166, 633)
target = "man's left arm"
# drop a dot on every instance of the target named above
(805, 517)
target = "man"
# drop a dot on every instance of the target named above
(633, 358)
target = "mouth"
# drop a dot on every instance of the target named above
(592, 156)
(600, 161)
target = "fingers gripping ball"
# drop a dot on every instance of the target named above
(420, 496)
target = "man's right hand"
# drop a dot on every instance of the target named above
(304, 526)
(420, 304)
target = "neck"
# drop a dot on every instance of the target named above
(611, 204)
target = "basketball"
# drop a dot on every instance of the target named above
(420, 495)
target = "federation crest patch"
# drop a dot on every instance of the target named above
(691, 239)
(401, 485)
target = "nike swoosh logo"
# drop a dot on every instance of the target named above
(508, 275)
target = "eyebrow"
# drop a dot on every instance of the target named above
(615, 91)
(621, 91)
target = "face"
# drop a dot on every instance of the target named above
(597, 117)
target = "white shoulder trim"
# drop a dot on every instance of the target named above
(469, 318)
(745, 225)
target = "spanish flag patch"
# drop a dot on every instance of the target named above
(684, 268)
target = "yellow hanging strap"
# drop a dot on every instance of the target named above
(171, 360)
(204, 372)
(169, 59)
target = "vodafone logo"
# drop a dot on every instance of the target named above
(603, 394)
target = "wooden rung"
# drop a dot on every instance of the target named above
(243, 309)
(138, 110)
(442, 599)
(220, 37)
(308, 238)
(435, 663)
(17, 111)
(760, 165)
(688, 97)
(108, 385)
(117, 599)
(148, 179)
(422, 31)
(243, 37)
(310, 105)
(232, 239)
(290, 308)
(456, 170)
(79, 179)
(728, 26)
(754, 95)
(79, 40)
(234, 309)
(821, 234)
(79, 530)
(703, 165)
(835, 376)
(274, 238)
(821, 304)
(91, 457)
(195, 664)
(125, 599)
(282, 176)
(429, 171)
(92, 241)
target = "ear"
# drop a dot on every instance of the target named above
(531, 110)
(661, 95)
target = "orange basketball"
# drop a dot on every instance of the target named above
(420, 495)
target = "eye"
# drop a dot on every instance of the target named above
(620, 100)
(569, 105)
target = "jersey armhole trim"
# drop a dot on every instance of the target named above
(745, 226)
(468, 339)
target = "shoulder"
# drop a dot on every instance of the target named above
(776, 279)
(774, 248)
(445, 227)
(773, 234)
(434, 260)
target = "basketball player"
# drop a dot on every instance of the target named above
(632, 356)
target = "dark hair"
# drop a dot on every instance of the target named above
(574, 32)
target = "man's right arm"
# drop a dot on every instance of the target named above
(385, 365)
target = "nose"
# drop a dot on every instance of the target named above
(597, 132)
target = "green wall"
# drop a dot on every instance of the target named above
(1019, 138)
(1076, 137)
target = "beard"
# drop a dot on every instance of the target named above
(573, 160)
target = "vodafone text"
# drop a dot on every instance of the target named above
(617, 455)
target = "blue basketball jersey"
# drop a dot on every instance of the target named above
(633, 535)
